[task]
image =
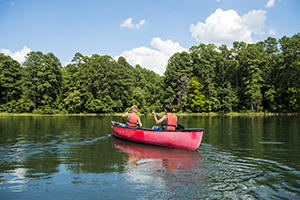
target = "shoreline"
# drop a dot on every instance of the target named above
(161, 113)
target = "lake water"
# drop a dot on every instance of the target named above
(75, 157)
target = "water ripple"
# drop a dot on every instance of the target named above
(249, 177)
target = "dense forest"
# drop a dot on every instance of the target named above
(258, 77)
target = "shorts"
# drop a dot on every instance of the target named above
(157, 128)
(123, 125)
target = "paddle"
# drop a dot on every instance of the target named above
(179, 126)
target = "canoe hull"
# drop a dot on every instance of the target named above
(188, 139)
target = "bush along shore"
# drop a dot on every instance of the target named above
(160, 113)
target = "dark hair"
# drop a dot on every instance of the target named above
(169, 108)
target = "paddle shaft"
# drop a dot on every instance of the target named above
(158, 115)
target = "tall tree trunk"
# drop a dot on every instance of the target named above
(252, 107)
(223, 77)
(288, 84)
(34, 102)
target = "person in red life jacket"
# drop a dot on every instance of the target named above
(169, 120)
(133, 118)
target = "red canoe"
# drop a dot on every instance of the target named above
(188, 139)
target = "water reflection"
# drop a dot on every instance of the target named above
(170, 157)
(170, 167)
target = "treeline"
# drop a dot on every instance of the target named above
(264, 76)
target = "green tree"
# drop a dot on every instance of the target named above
(182, 93)
(50, 76)
(31, 80)
(204, 59)
(225, 77)
(238, 53)
(153, 86)
(270, 75)
(291, 57)
(42, 80)
(196, 99)
(179, 66)
(123, 84)
(289, 71)
(70, 95)
(10, 76)
(230, 101)
(253, 79)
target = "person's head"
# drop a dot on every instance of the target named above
(134, 109)
(169, 108)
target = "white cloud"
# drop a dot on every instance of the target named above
(18, 55)
(167, 47)
(141, 23)
(155, 60)
(270, 3)
(147, 58)
(128, 24)
(272, 31)
(254, 21)
(225, 27)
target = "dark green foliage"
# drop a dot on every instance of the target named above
(10, 90)
(264, 76)
(177, 78)
(41, 81)
(205, 59)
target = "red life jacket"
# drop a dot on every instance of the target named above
(132, 120)
(171, 121)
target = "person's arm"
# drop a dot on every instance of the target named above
(125, 115)
(161, 119)
(140, 123)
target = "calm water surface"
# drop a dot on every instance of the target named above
(77, 158)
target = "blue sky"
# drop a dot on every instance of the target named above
(144, 32)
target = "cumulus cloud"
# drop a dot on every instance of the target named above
(18, 55)
(155, 60)
(270, 3)
(128, 24)
(147, 58)
(254, 21)
(225, 27)
(168, 47)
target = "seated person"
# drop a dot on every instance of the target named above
(133, 118)
(169, 120)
